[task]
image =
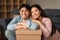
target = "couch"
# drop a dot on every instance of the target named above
(54, 14)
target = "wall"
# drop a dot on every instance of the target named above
(52, 4)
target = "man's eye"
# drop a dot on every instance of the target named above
(22, 11)
(31, 12)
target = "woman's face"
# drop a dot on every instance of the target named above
(24, 13)
(35, 13)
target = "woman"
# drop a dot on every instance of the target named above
(40, 18)
(22, 21)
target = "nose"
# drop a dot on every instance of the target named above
(34, 13)
(24, 13)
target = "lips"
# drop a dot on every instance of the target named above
(24, 15)
(34, 15)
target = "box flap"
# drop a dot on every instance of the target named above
(27, 31)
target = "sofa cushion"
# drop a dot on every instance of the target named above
(55, 16)
(53, 12)
(55, 19)
(57, 26)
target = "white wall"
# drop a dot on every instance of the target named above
(52, 4)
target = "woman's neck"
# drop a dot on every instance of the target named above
(40, 18)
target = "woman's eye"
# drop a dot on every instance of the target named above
(35, 10)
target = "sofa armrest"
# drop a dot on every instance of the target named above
(3, 25)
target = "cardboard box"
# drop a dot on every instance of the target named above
(26, 34)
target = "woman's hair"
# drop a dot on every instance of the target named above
(27, 6)
(43, 14)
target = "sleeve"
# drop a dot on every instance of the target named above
(13, 23)
(34, 26)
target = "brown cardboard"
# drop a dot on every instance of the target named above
(26, 34)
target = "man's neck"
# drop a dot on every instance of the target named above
(24, 19)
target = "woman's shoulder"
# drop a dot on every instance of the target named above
(45, 19)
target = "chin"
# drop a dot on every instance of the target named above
(24, 18)
(34, 18)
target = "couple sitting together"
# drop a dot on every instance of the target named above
(31, 17)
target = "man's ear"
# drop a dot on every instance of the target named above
(19, 11)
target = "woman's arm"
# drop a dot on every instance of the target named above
(46, 27)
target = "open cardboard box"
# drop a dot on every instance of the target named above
(26, 34)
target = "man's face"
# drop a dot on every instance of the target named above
(24, 13)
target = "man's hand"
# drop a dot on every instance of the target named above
(21, 25)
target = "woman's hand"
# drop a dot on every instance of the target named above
(37, 21)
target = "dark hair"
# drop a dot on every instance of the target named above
(27, 6)
(43, 14)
